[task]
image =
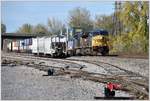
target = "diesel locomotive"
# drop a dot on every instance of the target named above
(88, 43)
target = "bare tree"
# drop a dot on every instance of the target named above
(25, 28)
(104, 22)
(55, 26)
(40, 29)
(80, 17)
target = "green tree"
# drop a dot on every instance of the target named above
(40, 29)
(26, 29)
(3, 28)
(80, 17)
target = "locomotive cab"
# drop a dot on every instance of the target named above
(100, 41)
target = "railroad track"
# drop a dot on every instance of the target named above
(135, 87)
(101, 64)
(108, 66)
(140, 84)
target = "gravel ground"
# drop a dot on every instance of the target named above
(140, 66)
(25, 83)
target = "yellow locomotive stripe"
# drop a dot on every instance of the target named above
(98, 41)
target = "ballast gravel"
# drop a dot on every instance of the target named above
(27, 83)
(139, 66)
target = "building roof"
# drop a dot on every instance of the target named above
(17, 35)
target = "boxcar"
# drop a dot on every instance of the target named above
(22, 45)
(52, 46)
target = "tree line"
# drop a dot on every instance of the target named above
(78, 17)
(133, 17)
(134, 37)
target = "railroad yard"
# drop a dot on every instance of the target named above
(24, 77)
(75, 50)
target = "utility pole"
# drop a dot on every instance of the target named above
(116, 19)
(67, 32)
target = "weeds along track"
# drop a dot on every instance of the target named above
(132, 82)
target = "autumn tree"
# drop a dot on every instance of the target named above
(80, 17)
(134, 16)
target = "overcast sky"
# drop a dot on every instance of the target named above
(16, 13)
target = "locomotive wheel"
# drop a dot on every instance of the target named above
(104, 50)
(94, 53)
(104, 53)
(53, 55)
(63, 55)
(35, 54)
(68, 55)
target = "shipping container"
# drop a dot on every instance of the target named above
(34, 46)
(41, 44)
(48, 47)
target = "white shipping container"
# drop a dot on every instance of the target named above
(48, 47)
(34, 45)
(41, 45)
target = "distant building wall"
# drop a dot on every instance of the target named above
(5, 43)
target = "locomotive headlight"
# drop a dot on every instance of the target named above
(100, 37)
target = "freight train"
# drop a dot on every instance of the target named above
(75, 42)
(54, 46)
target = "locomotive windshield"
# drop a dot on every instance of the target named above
(99, 32)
